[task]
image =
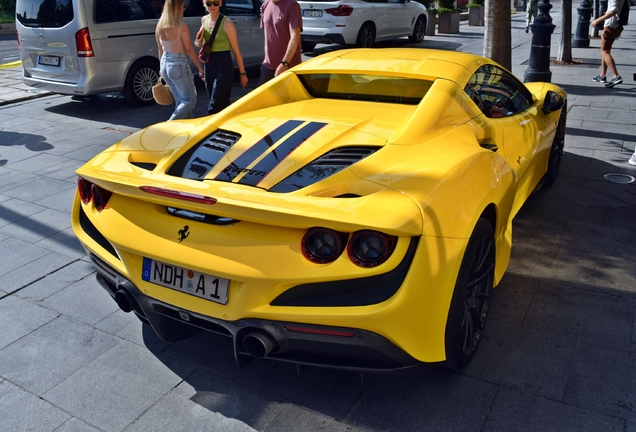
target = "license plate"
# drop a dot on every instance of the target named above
(312, 13)
(49, 60)
(185, 280)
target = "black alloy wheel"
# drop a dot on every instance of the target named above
(419, 30)
(471, 297)
(366, 36)
(139, 81)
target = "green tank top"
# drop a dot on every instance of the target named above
(221, 41)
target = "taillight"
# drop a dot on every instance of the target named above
(17, 35)
(370, 248)
(342, 10)
(202, 199)
(83, 43)
(323, 245)
(100, 197)
(84, 189)
(91, 192)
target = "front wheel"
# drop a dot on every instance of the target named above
(366, 36)
(419, 30)
(139, 81)
(471, 297)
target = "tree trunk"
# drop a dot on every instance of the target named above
(497, 33)
(565, 47)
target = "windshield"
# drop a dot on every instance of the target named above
(365, 87)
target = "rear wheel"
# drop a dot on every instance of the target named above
(471, 297)
(139, 81)
(366, 36)
(556, 151)
(419, 30)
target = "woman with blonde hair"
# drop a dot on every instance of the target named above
(175, 47)
(219, 70)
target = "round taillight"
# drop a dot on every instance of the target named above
(370, 248)
(84, 189)
(100, 197)
(323, 245)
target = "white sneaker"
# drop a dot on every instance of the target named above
(632, 160)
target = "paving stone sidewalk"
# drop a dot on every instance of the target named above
(559, 350)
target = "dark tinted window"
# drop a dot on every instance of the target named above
(126, 10)
(498, 93)
(44, 13)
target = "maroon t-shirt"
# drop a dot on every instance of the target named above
(277, 20)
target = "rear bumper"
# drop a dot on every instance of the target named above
(331, 347)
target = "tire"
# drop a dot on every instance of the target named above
(307, 46)
(419, 30)
(139, 81)
(471, 297)
(366, 36)
(556, 151)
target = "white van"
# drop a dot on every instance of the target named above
(87, 47)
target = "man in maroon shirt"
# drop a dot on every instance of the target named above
(281, 21)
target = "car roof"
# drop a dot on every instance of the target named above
(412, 62)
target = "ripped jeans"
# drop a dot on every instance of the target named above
(175, 70)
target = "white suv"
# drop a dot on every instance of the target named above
(360, 22)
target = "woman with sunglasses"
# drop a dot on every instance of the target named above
(175, 47)
(219, 70)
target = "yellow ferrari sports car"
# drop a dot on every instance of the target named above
(353, 213)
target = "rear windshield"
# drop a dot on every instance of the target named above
(364, 87)
(44, 13)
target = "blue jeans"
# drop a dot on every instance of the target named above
(175, 69)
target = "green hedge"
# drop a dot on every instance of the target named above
(7, 11)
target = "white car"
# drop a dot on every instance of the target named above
(360, 22)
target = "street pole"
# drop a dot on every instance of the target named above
(542, 29)
(582, 34)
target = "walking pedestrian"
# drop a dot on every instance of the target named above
(175, 48)
(219, 69)
(612, 30)
(531, 13)
(281, 21)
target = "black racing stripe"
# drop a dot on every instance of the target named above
(238, 166)
(276, 156)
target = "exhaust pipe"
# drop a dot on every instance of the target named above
(258, 344)
(125, 300)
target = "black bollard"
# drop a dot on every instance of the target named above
(542, 29)
(581, 37)
(602, 8)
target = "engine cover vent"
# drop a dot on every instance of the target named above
(323, 167)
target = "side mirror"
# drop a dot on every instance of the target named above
(553, 102)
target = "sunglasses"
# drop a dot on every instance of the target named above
(212, 3)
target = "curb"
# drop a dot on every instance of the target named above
(26, 98)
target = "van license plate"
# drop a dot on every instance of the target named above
(312, 13)
(185, 280)
(49, 60)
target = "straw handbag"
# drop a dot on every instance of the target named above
(161, 92)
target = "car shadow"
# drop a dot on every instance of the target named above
(572, 253)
